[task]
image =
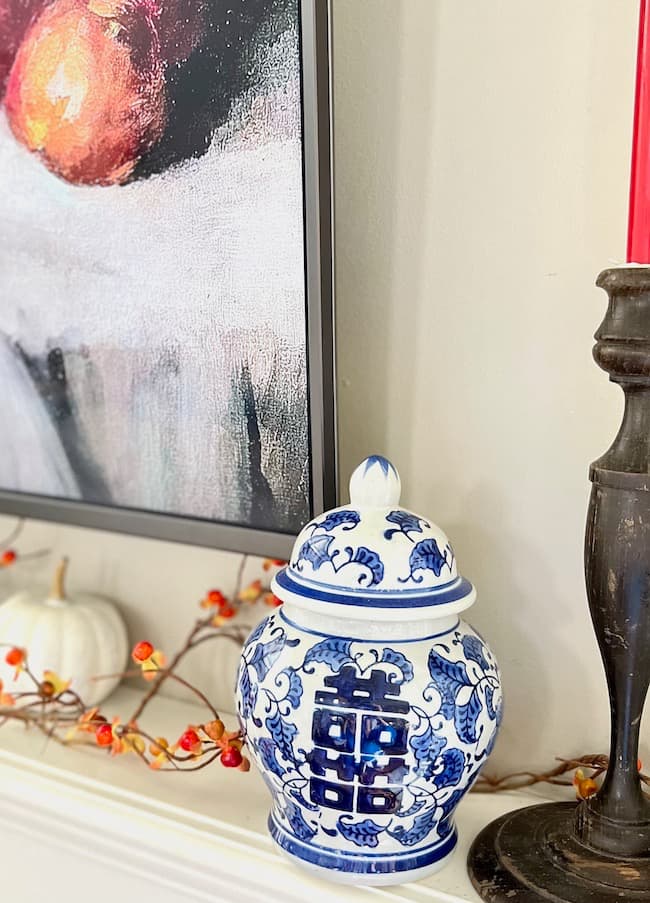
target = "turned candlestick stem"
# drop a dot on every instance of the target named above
(617, 566)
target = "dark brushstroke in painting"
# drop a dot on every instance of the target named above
(51, 383)
(201, 91)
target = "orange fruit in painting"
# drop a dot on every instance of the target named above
(86, 91)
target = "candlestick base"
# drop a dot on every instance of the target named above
(532, 855)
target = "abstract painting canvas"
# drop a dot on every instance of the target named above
(155, 347)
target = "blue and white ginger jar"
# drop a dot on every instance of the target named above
(369, 706)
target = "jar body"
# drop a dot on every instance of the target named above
(367, 738)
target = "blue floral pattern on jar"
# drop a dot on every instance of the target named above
(392, 550)
(358, 745)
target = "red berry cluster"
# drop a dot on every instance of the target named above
(229, 742)
(215, 599)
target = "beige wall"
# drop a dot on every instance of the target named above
(482, 158)
(482, 177)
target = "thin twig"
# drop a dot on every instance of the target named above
(13, 534)
(197, 692)
(165, 672)
(519, 779)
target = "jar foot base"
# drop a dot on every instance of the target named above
(532, 856)
(364, 868)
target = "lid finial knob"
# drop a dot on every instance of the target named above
(375, 484)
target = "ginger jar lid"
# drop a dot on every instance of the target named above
(374, 556)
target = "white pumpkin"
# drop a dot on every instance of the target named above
(77, 637)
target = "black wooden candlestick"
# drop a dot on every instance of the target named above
(599, 850)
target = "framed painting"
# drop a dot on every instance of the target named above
(166, 337)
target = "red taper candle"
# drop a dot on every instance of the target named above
(638, 235)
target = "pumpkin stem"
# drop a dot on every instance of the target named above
(57, 590)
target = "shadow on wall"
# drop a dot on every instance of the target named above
(381, 164)
(527, 663)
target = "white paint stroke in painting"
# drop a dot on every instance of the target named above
(159, 292)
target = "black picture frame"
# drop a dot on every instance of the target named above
(315, 41)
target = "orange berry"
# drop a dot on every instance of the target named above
(142, 652)
(272, 600)
(159, 746)
(227, 611)
(273, 563)
(252, 592)
(9, 556)
(15, 657)
(104, 735)
(214, 730)
(587, 788)
(245, 764)
(47, 689)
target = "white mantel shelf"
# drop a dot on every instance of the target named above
(78, 825)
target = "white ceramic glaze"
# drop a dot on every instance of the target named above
(368, 705)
